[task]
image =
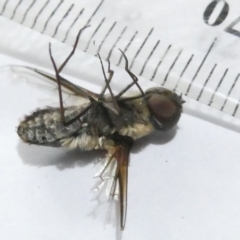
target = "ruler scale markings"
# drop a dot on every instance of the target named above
(236, 108)
(140, 48)
(183, 71)
(205, 83)
(28, 9)
(160, 62)
(115, 43)
(171, 67)
(127, 46)
(21, 11)
(51, 15)
(148, 58)
(39, 13)
(229, 92)
(94, 33)
(4, 7)
(200, 66)
(60, 22)
(15, 9)
(72, 24)
(94, 12)
(219, 84)
(105, 37)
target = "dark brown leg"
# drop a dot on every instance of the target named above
(58, 70)
(107, 86)
(134, 78)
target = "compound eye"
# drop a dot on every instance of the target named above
(161, 106)
(165, 111)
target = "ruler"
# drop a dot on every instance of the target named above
(193, 48)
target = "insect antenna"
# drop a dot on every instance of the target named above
(134, 78)
(107, 86)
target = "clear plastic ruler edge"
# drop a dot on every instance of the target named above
(192, 72)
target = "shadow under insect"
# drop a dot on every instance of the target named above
(61, 158)
(156, 138)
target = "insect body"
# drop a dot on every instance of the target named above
(44, 127)
(110, 122)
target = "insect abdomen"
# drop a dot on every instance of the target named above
(44, 127)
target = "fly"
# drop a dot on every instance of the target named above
(108, 122)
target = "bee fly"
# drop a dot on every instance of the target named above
(111, 123)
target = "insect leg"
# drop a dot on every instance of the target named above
(134, 78)
(59, 86)
(106, 86)
(107, 81)
(73, 50)
(60, 96)
(58, 77)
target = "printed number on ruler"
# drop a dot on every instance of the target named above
(222, 9)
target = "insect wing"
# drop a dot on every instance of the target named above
(114, 175)
(34, 75)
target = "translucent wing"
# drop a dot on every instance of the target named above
(115, 174)
(67, 85)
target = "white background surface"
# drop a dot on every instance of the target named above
(184, 184)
